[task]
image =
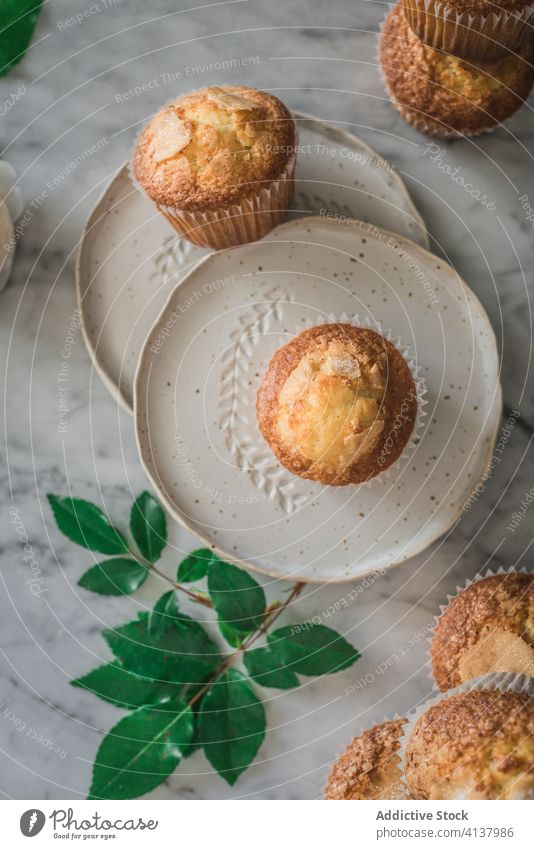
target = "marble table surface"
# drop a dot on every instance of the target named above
(72, 83)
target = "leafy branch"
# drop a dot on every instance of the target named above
(18, 19)
(183, 692)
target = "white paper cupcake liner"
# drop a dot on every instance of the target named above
(243, 222)
(238, 223)
(480, 576)
(467, 35)
(503, 681)
(419, 382)
(434, 128)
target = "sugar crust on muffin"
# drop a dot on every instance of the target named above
(337, 404)
(370, 767)
(441, 94)
(214, 147)
(489, 627)
(474, 745)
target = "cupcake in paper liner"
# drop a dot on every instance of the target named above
(219, 164)
(339, 403)
(472, 29)
(475, 742)
(488, 626)
(370, 767)
(444, 96)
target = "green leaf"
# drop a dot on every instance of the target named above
(141, 751)
(148, 526)
(231, 725)
(119, 576)
(233, 638)
(182, 655)
(18, 19)
(312, 649)
(125, 689)
(237, 597)
(195, 742)
(162, 616)
(265, 668)
(85, 524)
(195, 566)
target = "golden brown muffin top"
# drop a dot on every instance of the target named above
(213, 148)
(465, 96)
(370, 767)
(331, 398)
(475, 745)
(489, 627)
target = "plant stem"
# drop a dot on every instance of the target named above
(200, 599)
(269, 619)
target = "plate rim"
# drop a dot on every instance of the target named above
(487, 455)
(97, 363)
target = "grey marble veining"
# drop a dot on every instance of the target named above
(323, 62)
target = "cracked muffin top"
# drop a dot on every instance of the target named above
(213, 148)
(337, 404)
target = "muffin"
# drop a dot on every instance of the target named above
(370, 768)
(337, 404)
(473, 29)
(476, 745)
(219, 164)
(489, 627)
(445, 96)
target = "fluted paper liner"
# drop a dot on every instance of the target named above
(243, 222)
(503, 681)
(433, 127)
(468, 35)
(480, 576)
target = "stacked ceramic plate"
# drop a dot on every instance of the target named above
(182, 337)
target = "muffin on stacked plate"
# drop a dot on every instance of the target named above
(442, 92)
(337, 404)
(219, 164)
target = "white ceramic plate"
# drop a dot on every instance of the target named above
(130, 259)
(202, 363)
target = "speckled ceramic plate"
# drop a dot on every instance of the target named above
(130, 259)
(204, 358)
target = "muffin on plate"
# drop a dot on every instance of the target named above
(370, 768)
(474, 29)
(475, 745)
(337, 404)
(219, 164)
(489, 627)
(445, 96)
